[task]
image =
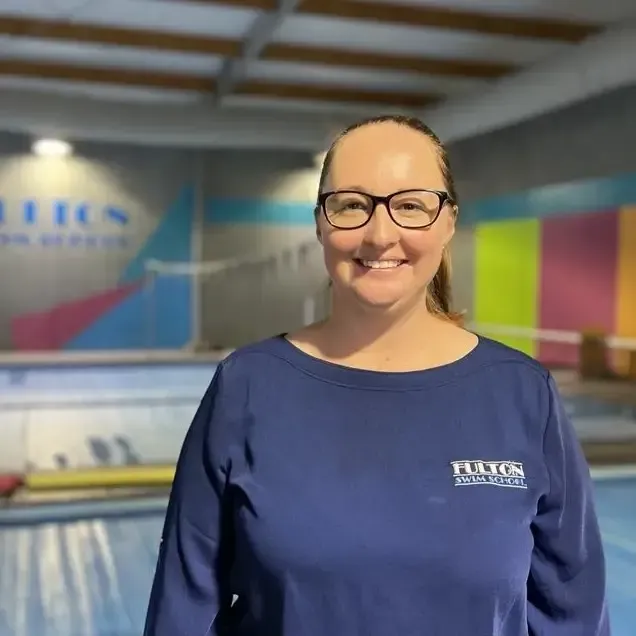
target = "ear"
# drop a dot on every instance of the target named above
(450, 225)
(318, 233)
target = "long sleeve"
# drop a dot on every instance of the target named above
(566, 587)
(191, 583)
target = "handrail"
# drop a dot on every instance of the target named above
(548, 335)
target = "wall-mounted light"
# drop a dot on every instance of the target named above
(52, 148)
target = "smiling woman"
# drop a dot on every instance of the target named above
(409, 477)
(416, 207)
(413, 203)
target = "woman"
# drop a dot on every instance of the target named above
(384, 472)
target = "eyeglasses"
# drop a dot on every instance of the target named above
(410, 209)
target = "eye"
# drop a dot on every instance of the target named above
(355, 205)
(409, 206)
(343, 202)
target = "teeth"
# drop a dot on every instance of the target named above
(381, 264)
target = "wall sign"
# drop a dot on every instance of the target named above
(33, 222)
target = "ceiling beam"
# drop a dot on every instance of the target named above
(97, 75)
(278, 52)
(64, 31)
(472, 69)
(205, 85)
(335, 94)
(235, 68)
(433, 17)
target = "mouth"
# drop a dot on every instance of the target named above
(380, 265)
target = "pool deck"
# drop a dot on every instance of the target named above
(614, 391)
(34, 359)
(137, 410)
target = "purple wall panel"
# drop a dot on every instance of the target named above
(577, 279)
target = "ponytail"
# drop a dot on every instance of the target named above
(438, 295)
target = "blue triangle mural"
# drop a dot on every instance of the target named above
(157, 316)
(171, 241)
(147, 319)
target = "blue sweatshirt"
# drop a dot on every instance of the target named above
(332, 501)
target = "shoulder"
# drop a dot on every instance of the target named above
(248, 380)
(249, 358)
(231, 394)
(266, 358)
(501, 358)
(516, 377)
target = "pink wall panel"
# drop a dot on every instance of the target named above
(578, 277)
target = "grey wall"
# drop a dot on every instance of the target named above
(38, 277)
(237, 307)
(257, 301)
(592, 139)
(278, 177)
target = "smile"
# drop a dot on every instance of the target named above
(382, 264)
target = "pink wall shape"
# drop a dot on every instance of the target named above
(579, 256)
(51, 329)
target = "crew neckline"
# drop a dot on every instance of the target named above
(367, 378)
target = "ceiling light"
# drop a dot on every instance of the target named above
(52, 148)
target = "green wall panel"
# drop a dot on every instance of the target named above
(506, 277)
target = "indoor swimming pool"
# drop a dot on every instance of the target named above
(81, 570)
(91, 576)
(77, 417)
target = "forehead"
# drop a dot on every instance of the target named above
(384, 158)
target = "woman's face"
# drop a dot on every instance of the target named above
(381, 264)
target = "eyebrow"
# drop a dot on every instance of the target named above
(359, 188)
(352, 187)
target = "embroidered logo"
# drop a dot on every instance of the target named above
(476, 472)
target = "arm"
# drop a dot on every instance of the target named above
(566, 587)
(191, 583)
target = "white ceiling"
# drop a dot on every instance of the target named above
(63, 85)
(181, 16)
(411, 40)
(599, 11)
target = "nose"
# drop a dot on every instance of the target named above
(381, 231)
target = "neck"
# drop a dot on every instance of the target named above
(362, 330)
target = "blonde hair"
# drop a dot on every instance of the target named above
(439, 292)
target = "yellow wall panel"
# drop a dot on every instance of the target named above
(626, 282)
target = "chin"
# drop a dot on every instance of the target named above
(376, 295)
(379, 298)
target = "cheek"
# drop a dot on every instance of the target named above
(423, 248)
(340, 245)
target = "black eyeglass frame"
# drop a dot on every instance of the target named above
(443, 196)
